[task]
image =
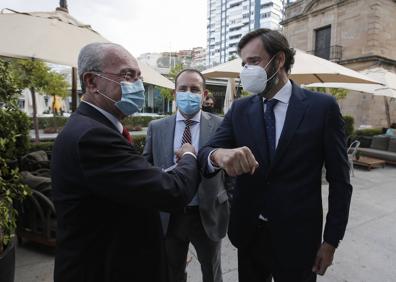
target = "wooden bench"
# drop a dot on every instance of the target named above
(369, 162)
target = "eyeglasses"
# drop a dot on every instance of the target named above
(128, 76)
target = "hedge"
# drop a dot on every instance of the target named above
(349, 128)
(59, 121)
(47, 146)
(368, 132)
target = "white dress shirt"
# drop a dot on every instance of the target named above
(177, 140)
(109, 116)
(280, 109)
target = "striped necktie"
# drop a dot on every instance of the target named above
(187, 132)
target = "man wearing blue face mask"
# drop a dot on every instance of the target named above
(107, 196)
(204, 221)
(276, 142)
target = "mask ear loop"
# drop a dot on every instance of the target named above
(107, 97)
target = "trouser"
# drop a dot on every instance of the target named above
(185, 228)
(257, 263)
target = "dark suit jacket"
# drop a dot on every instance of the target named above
(107, 199)
(213, 199)
(289, 188)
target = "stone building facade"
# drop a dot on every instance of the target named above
(359, 34)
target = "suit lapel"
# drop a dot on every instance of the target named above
(166, 139)
(206, 128)
(256, 127)
(87, 110)
(295, 113)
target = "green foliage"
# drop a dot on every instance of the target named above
(349, 128)
(368, 132)
(338, 93)
(141, 121)
(9, 90)
(54, 122)
(175, 70)
(244, 93)
(42, 146)
(165, 93)
(38, 76)
(139, 142)
(56, 85)
(14, 133)
(29, 73)
(13, 143)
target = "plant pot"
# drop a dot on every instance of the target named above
(7, 263)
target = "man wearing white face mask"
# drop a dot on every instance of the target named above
(204, 221)
(106, 195)
(276, 142)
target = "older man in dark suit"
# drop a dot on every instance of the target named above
(276, 142)
(107, 196)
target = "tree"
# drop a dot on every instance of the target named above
(174, 71)
(13, 144)
(56, 86)
(37, 76)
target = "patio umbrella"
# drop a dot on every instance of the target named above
(152, 76)
(306, 69)
(54, 37)
(387, 88)
(230, 94)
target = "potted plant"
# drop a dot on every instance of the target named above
(13, 143)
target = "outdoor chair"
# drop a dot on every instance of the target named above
(34, 161)
(37, 216)
(352, 150)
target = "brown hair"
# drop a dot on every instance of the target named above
(273, 42)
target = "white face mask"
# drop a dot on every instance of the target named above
(254, 77)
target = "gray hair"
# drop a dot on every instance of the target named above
(91, 58)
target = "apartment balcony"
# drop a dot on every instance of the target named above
(331, 53)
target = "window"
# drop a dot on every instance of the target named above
(266, 5)
(235, 5)
(235, 28)
(322, 42)
(235, 36)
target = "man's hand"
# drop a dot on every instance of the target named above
(187, 147)
(235, 161)
(324, 258)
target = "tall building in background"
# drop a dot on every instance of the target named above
(229, 20)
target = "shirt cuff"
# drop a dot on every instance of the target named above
(189, 153)
(211, 167)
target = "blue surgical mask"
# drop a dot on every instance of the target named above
(188, 103)
(132, 96)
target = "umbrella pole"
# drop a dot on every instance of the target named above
(387, 113)
(35, 121)
(74, 89)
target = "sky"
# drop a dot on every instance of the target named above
(141, 26)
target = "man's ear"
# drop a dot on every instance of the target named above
(281, 60)
(89, 82)
(205, 94)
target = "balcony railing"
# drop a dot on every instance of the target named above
(331, 53)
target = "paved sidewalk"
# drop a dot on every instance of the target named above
(367, 253)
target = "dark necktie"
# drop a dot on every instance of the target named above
(187, 132)
(270, 128)
(126, 134)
